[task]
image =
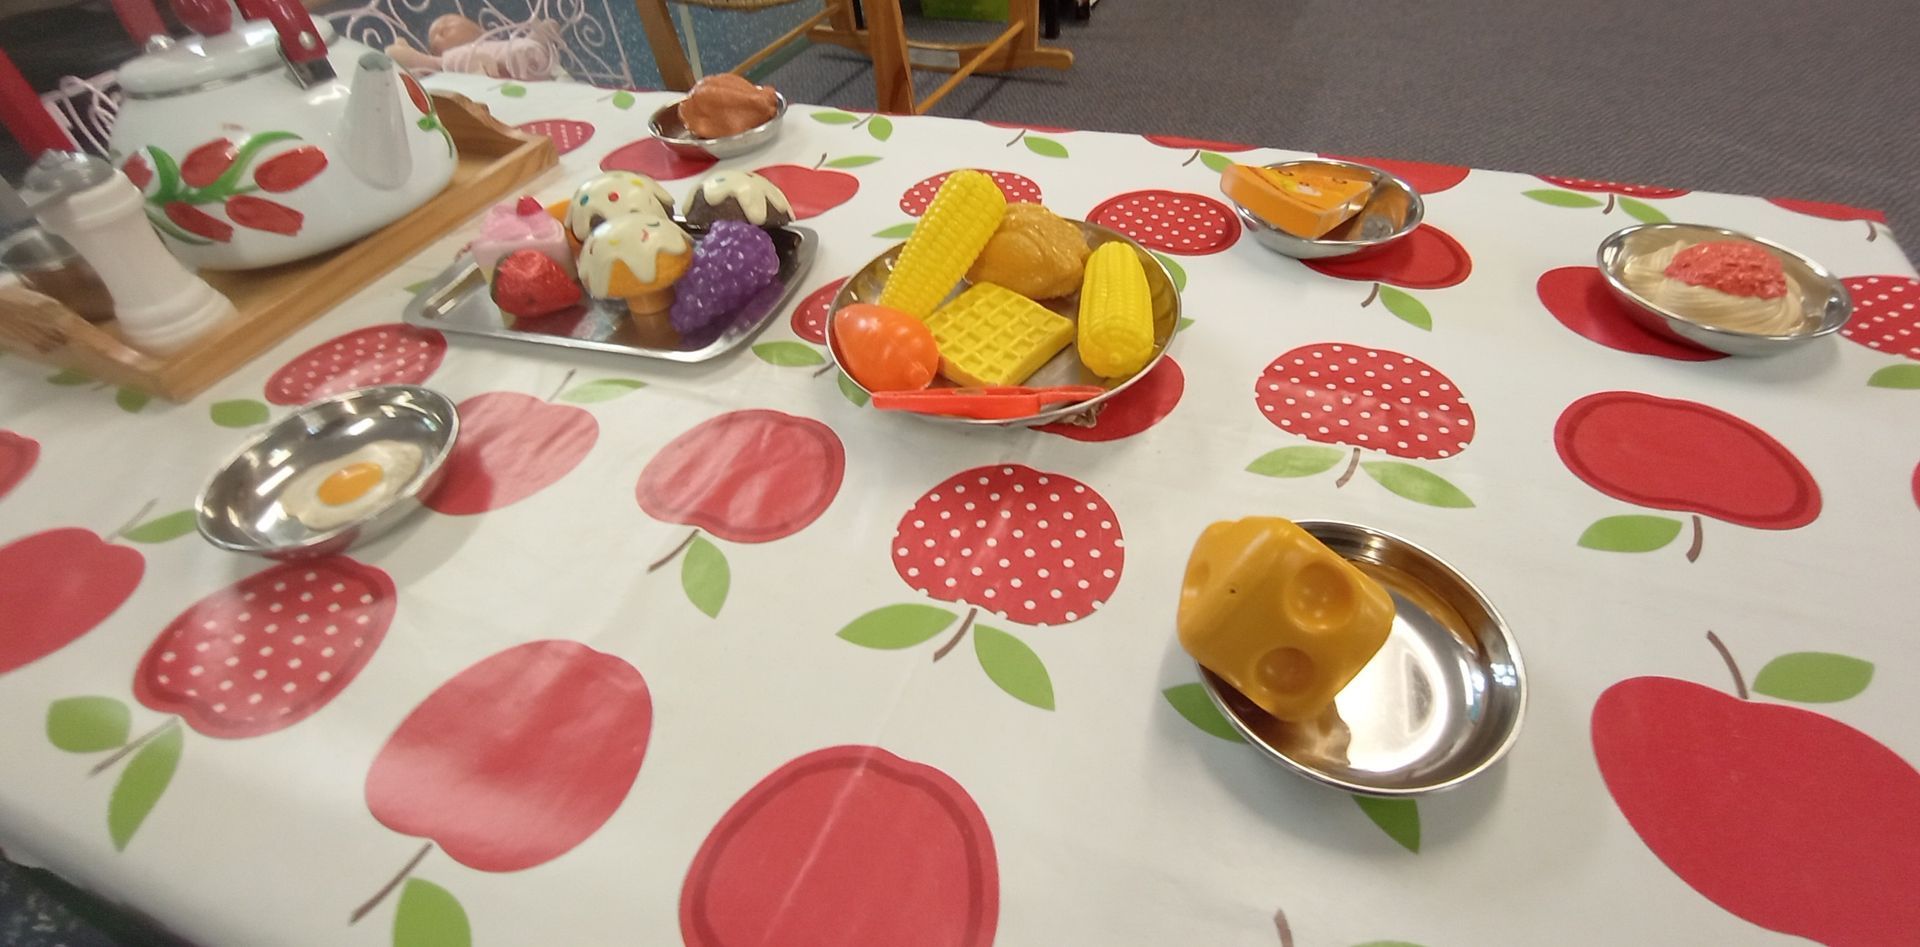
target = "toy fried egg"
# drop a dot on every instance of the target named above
(352, 486)
(611, 195)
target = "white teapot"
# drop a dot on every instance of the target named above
(270, 139)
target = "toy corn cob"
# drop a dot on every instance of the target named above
(964, 214)
(991, 336)
(1116, 317)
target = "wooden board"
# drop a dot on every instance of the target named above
(274, 302)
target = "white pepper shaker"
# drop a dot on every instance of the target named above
(162, 307)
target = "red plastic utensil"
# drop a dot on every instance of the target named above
(25, 118)
(984, 404)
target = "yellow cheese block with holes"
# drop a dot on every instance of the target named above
(1279, 616)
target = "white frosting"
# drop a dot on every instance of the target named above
(636, 240)
(612, 195)
(1646, 273)
(754, 193)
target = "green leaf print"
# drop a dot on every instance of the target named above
(603, 389)
(1194, 706)
(1416, 483)
(1013, 666)
(88, 724)
(1813, 677)
(161, 529)
(788, 354)
(1045, 147)
(705, 576)
(1399, 818)
(1553, 197)
(1296, 461)
(1407, 308)
(851, 390)
(1631, 533)
(141, 785)
(242, 412)
(1642, 211)
(893, 627)
(430, 916)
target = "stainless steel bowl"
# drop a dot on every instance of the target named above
(672, 132)
(1065, 368)
(1827, 302)
(1440, 703)
(240, 508)
(1393, 211)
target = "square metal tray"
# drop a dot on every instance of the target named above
(459, 300)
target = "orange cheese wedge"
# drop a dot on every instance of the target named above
(1305, 201)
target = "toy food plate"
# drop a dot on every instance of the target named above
(1440, 703)
(332, 474)
(1394, 210)
(1824, 297)
(1064, 368)
(667, 126)
(458, 300)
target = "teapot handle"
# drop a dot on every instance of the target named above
(300, 42)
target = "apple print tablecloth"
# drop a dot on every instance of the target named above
(719, 655)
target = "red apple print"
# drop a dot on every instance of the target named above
(1886, 314)
(1614, 187)
(269, 651)
(138, 171)
(745, 476)
(1425, 178)
(1196, 144)
(1680, 455)
(810, 319)
(849, 846)
(566, 133)
(17, 457)
(518, 758)
(1018, 188)
(1139, 407)
(1724, 789)
(1834, 212)
(1170, 221)
(204, 165)
(198, 222)
(388, 354)
(1365, 398)
(511, 446)
(58, 585)
(258, 213)
(1427, 258)
(285, 172)
(811, 191)
(1031, 547)
(650, 157)
(1579, 298)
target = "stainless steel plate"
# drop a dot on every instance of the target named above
(1440, 703)
(241, 508)
(458, 300)
(672, 132)
(1827, 303)
(1064, 368)
(1394, 210)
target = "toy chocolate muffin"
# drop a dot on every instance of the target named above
(738, 195)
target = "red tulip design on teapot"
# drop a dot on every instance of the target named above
(222, 175)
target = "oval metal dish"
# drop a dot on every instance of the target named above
(1063, 369)
(1440, 703)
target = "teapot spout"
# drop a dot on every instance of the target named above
(374, 128)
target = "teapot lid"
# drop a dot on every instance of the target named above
(250, 48)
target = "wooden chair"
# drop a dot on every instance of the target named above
(883, 39)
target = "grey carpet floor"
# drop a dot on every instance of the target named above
(1816, 100)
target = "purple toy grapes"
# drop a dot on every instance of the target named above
(731, 264)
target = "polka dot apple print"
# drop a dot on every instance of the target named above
(387, 354)
(1828, 211)
(1018, 188)
(1632, 198)
(849, 846)
(1426, 178)
(1427, 258)
(249, 660)
(1683, 456)
(507, 766)
(1718, 787)
(1170, 221)
(1364, 399)
(810, 317)
(566, 133)
(1578, 297)
(1030, 547)
(1886, 318)
(746, 477)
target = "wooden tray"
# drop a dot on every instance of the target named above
(494, 160)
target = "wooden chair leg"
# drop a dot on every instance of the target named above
(887, 44)
(676, 72)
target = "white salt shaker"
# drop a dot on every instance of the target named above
(162, 307)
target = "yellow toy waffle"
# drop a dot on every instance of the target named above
(991, 336)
